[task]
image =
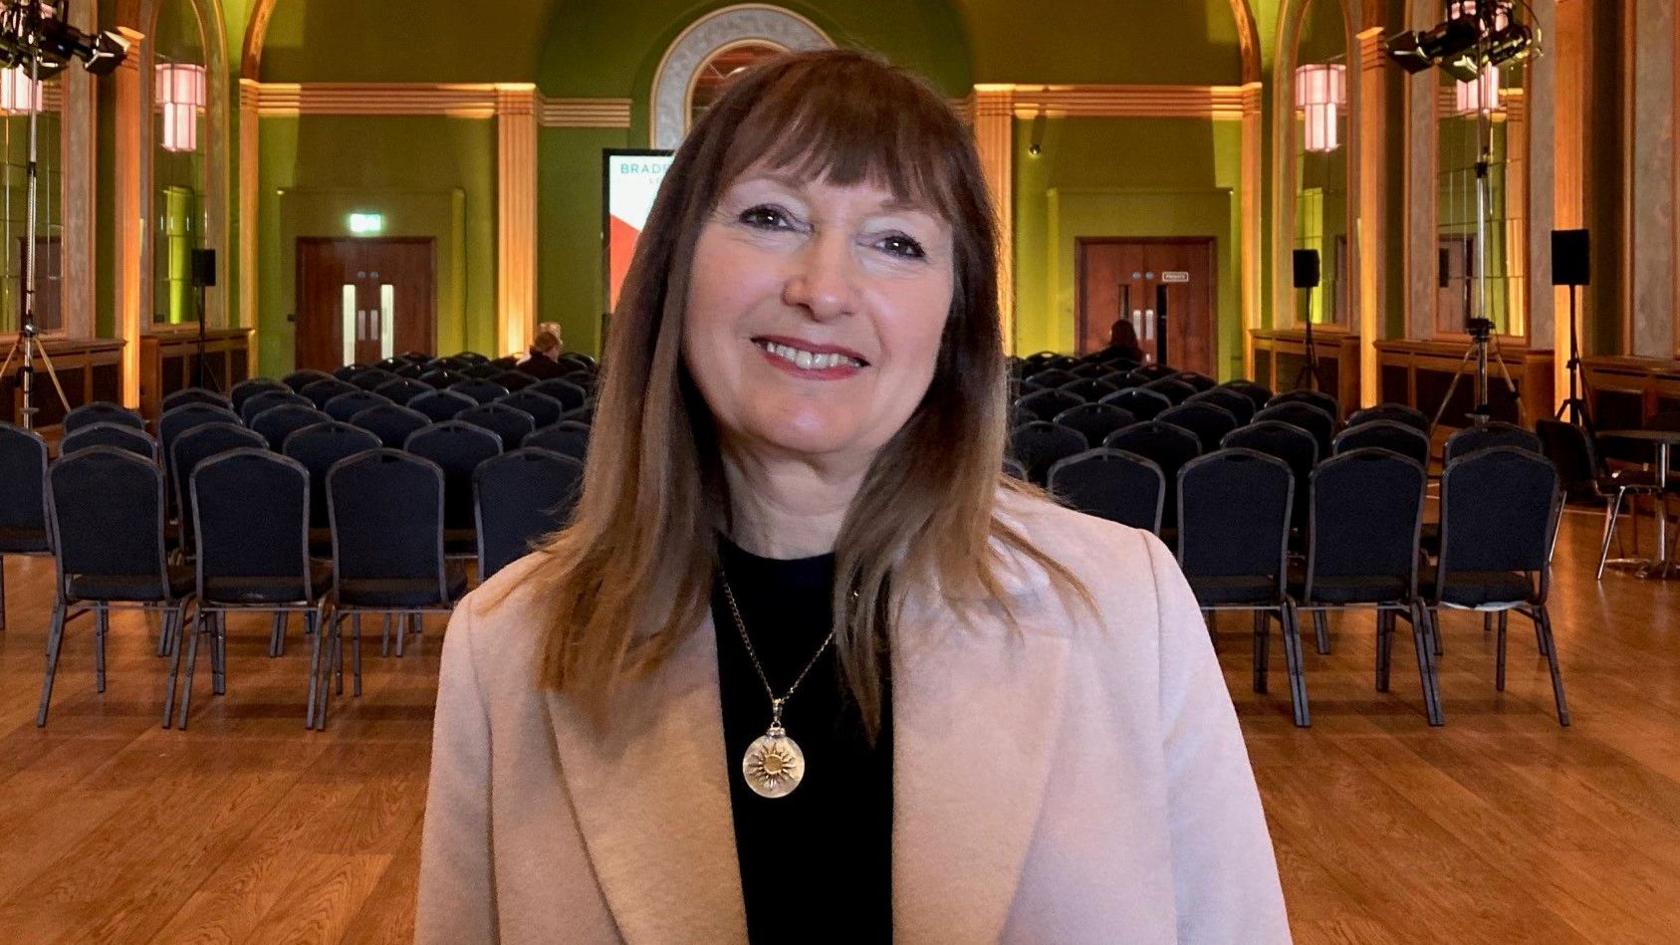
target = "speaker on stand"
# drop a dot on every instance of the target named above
(1307, 277)
(1571, 266)
(203, 275)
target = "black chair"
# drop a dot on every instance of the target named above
(1040, 444)
(544, 410)
(392, 423)
(105, 513)
(194, 447)
(481, 391)
(1394, 413)
(118, 435)
(472, 357)
(568, 438)
(510, 423)
(570, 395)
(409, 371)
(1499, 510)
(1313, 419)
(372, 379)
(506, 362)
(441, 404)
(457, 448)
(514, 381)
(394, 362)
(1238, 405)
(1094, 421)
(1367, 512)
(345, 406)
(1088, 368)
(520, 497)
(1046, 404)
(1121, 379)
(1233, 538)
(441, 377)
(1047, 379)
(195, 395)
(402, 390)
(101, 411)
(175, 422)
(387, 530)
(584, 415)
(1014, 469)
(319, 392)
(1198, 382)
(1089, 389)
(1289, 443)
(1113, 484)
(347, 371)
(245, 390)
(1317, 398)
(1166, 446)
(1210, 422)
(1486, 435)
(1391, 435)
(1154, 372)
(253, 554)
(1171, 388)
(269, 399)
(1140, 402)
(23, 501)
(317, 447)
(1258, 394)
(482, 372)
(298, 380)
(277, 423)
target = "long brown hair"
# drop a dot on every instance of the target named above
(632, 574)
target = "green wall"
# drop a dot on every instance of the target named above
(1167, 42)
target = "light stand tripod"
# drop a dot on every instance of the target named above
(1307, 277)
(1571, 255)
(203, 275)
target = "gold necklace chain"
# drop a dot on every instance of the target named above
(741, 625)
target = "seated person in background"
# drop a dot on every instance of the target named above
(1123, 342)
(543, 360)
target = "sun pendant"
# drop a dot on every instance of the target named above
(773, 764)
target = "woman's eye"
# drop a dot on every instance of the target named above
(900, 245)
(764, 218)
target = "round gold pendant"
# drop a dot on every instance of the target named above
(773, 764)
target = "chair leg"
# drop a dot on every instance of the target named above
(1487, 622)
(384, 635)
(2, 592)
(166, 639)
(102, 627)
(330, 649)
(1423, 627)
(356, 660)
(178, 616)
(338, 662)
(1544, 619)
(204, 623)
(1321, 629)
(316, 631)
(1293, 657)
(277, 635)
(1499, 660)
(1435, 633)
(402, 633)
(55, 640)
(1385, 648)
(1262, 647)
(218, 653)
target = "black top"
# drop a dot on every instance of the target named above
(816, 863)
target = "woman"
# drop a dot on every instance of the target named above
(1123, 342)
(805, 667)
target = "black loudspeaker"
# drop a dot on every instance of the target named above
(1306, 269)
(1571, 257)
(204, 267)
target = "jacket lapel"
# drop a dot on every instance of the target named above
(977, 708)
(652, 802)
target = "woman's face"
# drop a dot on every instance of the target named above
(815, 314)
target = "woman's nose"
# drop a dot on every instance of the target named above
(823, 280)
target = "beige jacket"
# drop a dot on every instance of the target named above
(1070, 781)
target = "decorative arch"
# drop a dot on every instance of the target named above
(250, 60)
(1248, 40)
(709, 35)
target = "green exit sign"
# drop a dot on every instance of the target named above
(367, 224)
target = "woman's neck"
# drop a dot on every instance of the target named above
(787, 508)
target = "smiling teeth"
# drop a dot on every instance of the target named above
(808, 361)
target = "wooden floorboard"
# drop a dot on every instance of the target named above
(1500, 828)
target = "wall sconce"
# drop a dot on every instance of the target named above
(1321, 92)
(181, 92)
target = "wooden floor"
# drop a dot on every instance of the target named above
(1500, 828)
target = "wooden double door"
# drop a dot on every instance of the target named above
(1121, 278)
(362, 300)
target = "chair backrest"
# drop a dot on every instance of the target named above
(1171, 388)
(441, 404)
(1041, 443)
(1391, 435)
(402, 390)
(319, 392)
(387, 518)
(457, 448)
(195, 395)
(568, 438)
(118, 435)
(1290, 443)
(570, 395)
(1154, 372)
(347, 405)
(1233, 401)
(521, 496)
(1113, 484)
(372, 379)
(1140, 402)
(195, 446)
(392, 423)
(105, 512)
(1012, 467)
(298, 380)
(252, 520)
(510, 423)
(1089, 389)
(480, 391)
(347, 371)
(1394, 413)
(277, 423)
(1047, 378)
(1309, 417)
(175, 422)
(1046, 404)
(1233, 515)
(1166, 446)
(1210, 422)
(246, 389)
(269, 399)
(482, 372)
(1259, 394)
(101, 411)
(441, 377)
(544, 410)
(1095, 421)
(1571, 451)
(317, 447)
(514, 381)
(1485, 435)
(1325, 402)
(1498, 510)
(1367, 513)
(23, 468)
(1198, 382)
